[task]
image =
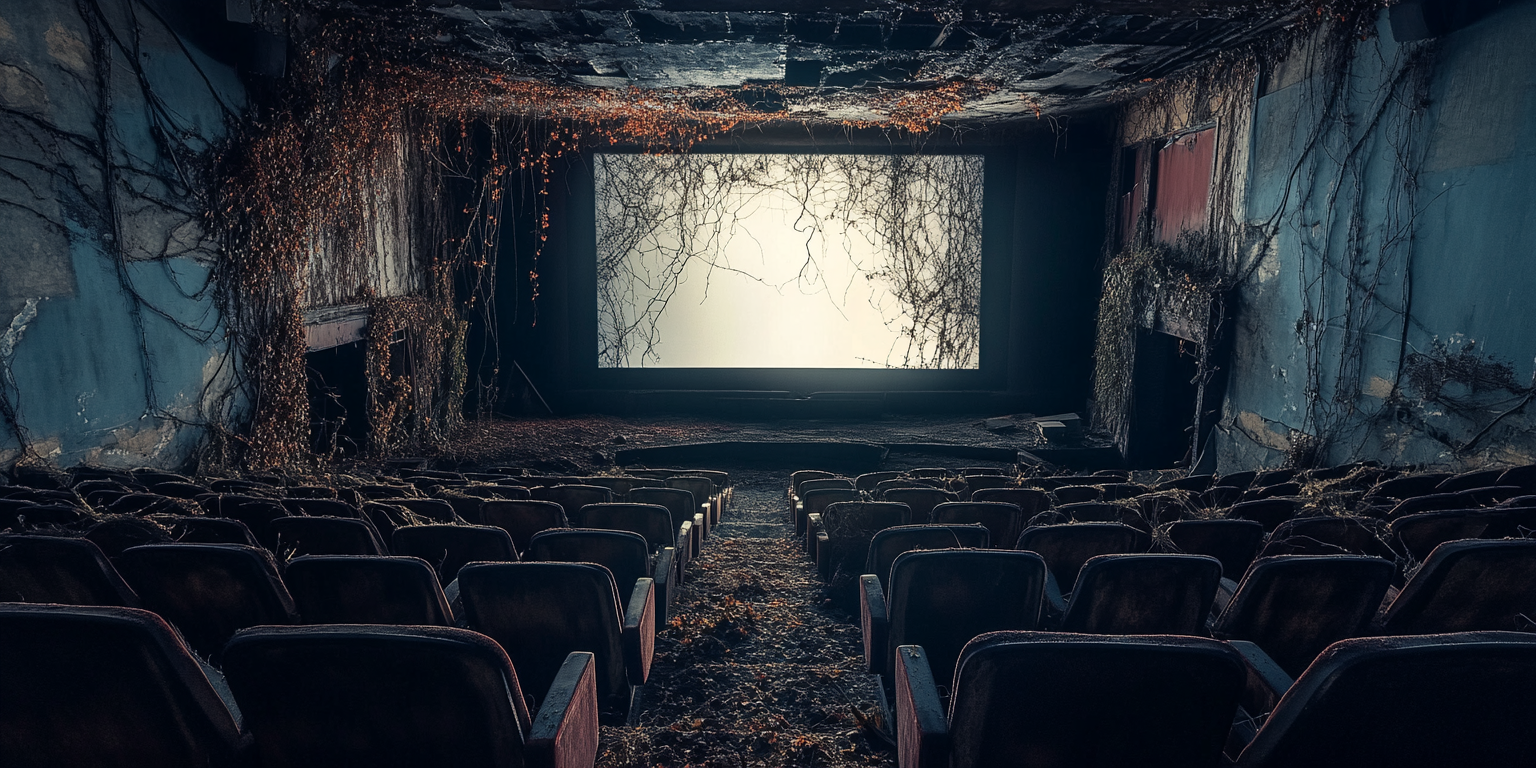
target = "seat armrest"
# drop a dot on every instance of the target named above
(812, 526)
(661, 573)
(564, 731)
(922, 730)
(684, 545)
(1053, 606)
(823, 556)
(873, 622)
(797, 514)
(1226, 589)
(639, 635)
(706, 510)
(1266, 682)
(699, 530)
(455, 604)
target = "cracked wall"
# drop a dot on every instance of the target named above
(110, 345)
(1401, 254)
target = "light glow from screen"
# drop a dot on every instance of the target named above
(788, 261)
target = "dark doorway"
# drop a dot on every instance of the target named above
(1163, 401)
(338, 399)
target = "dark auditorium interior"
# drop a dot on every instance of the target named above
(680, 383)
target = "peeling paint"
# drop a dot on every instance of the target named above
(1257, 427)
(5, 30)
(18, 326)
(67, 48)
(1378, 387)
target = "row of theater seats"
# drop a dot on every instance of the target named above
(930, 592)
(573, 610)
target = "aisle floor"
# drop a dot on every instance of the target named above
(755, 668)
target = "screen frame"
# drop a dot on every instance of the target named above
(998, 191)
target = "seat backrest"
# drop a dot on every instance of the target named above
(652, 521)
(799, 476)
(1483, 478)
(700, 487)
(1418, 534)
(1118, 491)
(1190, 483)
(498, 491)
(1408, 485)
(869, 480)
(210, 530)
(677, 501)
(115, 534)
(1294, 606)
(1269, 513)
(541, 612)
(387, 696)
(1004, 521)
(1466, 586)
(1143, 595)
(320, 507)
(1426, 503)
(1406, 702)
(848, 520)
(325, 536)
(522, 519)
(1031, 500)
(941, 598)
(94, 686)
(1234, 542)
(1066, 547)
(448, 547)
(1523, 476)
(1238, 479)
(573, 497)
(1093, 512)
(354, 589)
(1068, 700)
(54, 569)
(208, 591)
(623, 553)
(1330, 535)
(1220, 496)
(888, 543)
(257, 514)
(431, 509)
(921, 500)
(826, 482)
(1076, 494)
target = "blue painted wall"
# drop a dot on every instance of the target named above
(94, 374)
(1403, 222)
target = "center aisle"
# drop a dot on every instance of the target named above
(753, 670)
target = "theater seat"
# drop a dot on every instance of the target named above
(942, 598)
(842, 532)
(1066, 547)
(1234, 542)
(54, 569)
(1426, 701)
(681, 504)
(297, 536)
(404, 697)
(889, 543)
(522, 519)
(542, 612)
(94, 687)
(208, 591)
(448, 547)
(352, 589)
(1294, 606)
(1061, 700)
(626, 555)
(1143, 595)
(1465, 586)
(1004, 521)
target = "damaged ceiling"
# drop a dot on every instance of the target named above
(1025, 59)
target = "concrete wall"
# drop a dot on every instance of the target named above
(1393, 227)
(110, 347)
